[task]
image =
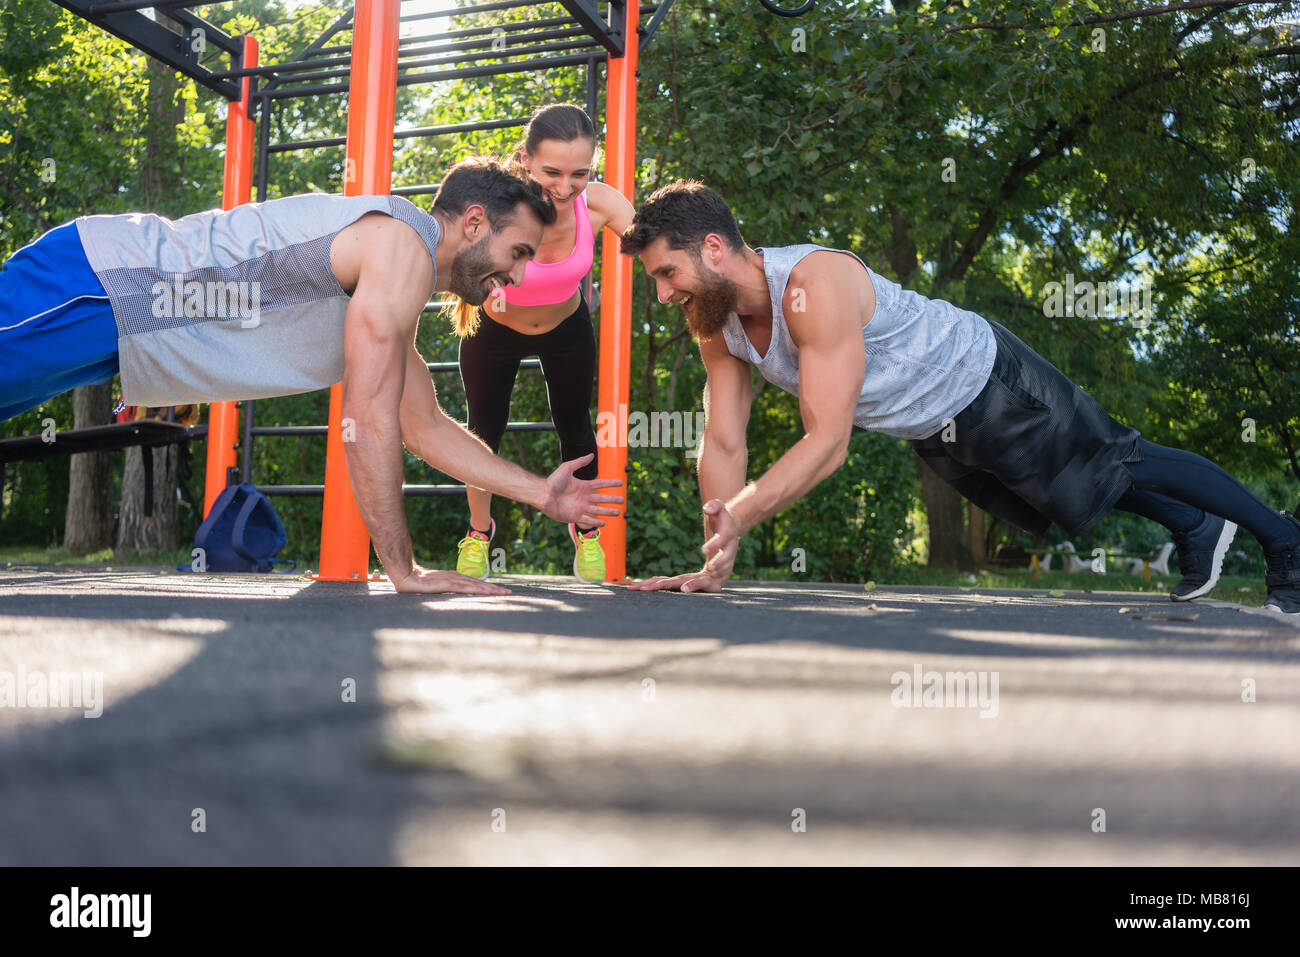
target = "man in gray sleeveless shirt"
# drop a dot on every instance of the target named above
(289, 296)
(987, 413)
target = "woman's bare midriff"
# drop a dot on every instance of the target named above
(533, 320)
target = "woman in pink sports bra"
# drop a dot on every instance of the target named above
(545, 316)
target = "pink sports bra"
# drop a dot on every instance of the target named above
(546, 283)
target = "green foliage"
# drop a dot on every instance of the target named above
(855, 525)
(1119, 164)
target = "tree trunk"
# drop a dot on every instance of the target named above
(136, 532)
(944, 509)
(88, 526)
(976, 530)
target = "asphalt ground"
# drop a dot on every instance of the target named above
(251, 719)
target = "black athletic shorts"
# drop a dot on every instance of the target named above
(1033, 448)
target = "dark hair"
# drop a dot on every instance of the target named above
(499, 188)
(485, 181)
(558, 121)
(683, 213)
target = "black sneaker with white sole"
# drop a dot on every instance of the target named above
(1283, 575)
(1200, 556)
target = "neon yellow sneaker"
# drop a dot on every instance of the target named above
(472, 559)
(588, 556)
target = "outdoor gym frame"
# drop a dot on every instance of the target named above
(369, 70)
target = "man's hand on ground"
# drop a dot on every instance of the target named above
(690, 582)
(424, 581)
(570, 499)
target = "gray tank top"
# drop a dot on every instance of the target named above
(926, 359)
(232, 304)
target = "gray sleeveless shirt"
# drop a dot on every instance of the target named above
(926, 359)
(231, 304)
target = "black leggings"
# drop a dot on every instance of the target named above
(489, 361)
(1177, 488)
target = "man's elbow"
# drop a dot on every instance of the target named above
(720, 447)
(838, 451)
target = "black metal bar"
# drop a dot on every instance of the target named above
(501, 54)
(125, 6)
(246, 451)
(263, 148)
(278, 71)
(292, 66)
(648, 31)
(292, 430)
(576, 59)
(545, 64)
(428, 189)
(482, 31)
(592, 90)
(459, 128)
(289, 490)
(476, 8)
(412, 133)
(220, 39)
(480, 43)
(608, 34)
(422, 491)
(162, 44)
(455, 366)
(286, 93)
(464, 58)
(312, 431)
(307, 144)
(317, 45)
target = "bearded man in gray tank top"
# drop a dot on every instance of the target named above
(993, 418)
(288, 296)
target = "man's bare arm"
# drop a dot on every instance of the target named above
(832, 364)
(728, 396)
(446, 445)
(723, 452)
(392, 287)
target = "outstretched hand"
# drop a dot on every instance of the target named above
(576, 500)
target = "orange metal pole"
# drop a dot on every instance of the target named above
(616, 283)
(223, 417)
(368, 171)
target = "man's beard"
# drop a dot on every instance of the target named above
(469, 272)
(711, 305)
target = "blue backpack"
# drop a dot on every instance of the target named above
(242, 533)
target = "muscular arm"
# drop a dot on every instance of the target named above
(727, 399)
(832, 363)
(723, 457)
(432, 435)
(393, 283)
(446, 445)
